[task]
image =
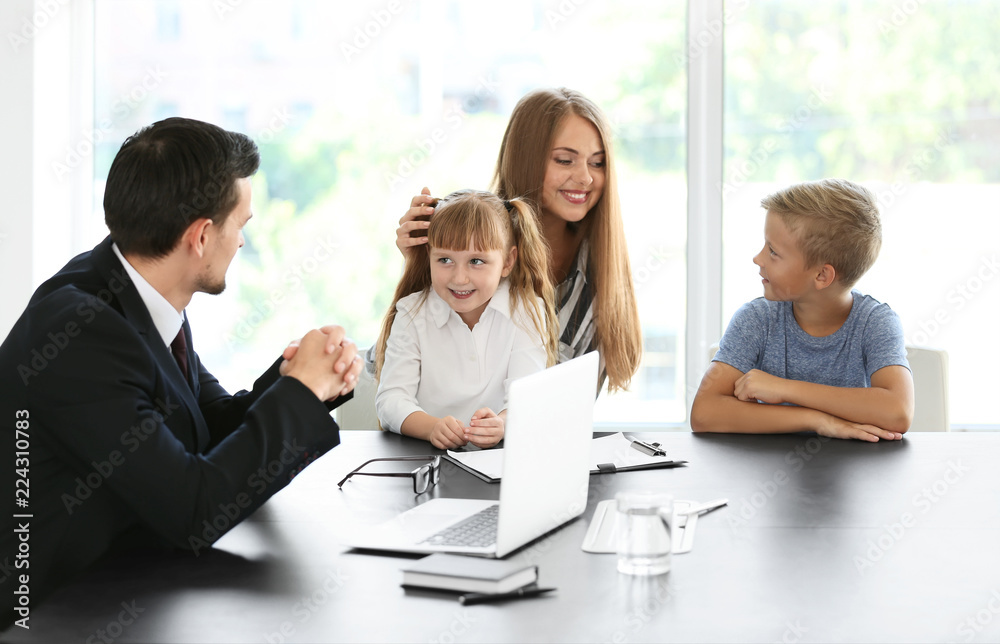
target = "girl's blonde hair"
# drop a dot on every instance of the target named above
(524, 157)
(481, 220)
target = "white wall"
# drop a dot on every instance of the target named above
(46, 111)
(16, 72)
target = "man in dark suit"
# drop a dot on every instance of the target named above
(117, 432)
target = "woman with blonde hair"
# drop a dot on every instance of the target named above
(556, 154)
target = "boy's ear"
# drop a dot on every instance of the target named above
(508, 265)
(825, 277)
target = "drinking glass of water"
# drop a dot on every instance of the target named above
(643, 530)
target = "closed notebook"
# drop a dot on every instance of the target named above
(469, 574)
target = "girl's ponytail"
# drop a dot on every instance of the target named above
(529, 278)
(416, 278)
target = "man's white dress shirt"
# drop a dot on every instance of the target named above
(165, 317)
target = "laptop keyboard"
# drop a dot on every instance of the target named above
(478, 530)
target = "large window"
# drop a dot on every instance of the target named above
(902, 98)
(357, 106)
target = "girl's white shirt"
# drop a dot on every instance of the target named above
(434, 363)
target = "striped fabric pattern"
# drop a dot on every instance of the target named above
(575, 308)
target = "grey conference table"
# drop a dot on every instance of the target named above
(822, 541)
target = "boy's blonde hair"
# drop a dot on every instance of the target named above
(835, 221)
(520, 171)
(481, 220)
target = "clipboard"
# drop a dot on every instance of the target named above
(621, 453)
(609, 454)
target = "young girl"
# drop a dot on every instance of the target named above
(472, 312)
(556, 153)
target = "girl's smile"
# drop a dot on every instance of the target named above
(467, 279)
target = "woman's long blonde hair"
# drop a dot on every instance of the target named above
(524, 157)
(471, 218)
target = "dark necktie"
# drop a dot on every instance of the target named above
(180, 350)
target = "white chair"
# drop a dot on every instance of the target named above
(359, 412)
(930, 387)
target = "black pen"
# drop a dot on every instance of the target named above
(483, 598)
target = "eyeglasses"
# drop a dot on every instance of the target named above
(423, 477)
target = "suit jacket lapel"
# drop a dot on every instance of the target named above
(135, 311)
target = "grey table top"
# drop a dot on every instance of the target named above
(821, 541)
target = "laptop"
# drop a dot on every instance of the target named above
(546, 472)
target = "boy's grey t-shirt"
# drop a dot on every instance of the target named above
(764, 335)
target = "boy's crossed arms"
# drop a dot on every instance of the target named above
(727, 402)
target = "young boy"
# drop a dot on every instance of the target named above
(824, 357)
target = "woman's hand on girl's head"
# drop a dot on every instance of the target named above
(485, 429)
(447, 433)
(409, 222)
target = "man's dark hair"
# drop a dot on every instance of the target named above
(169, 174)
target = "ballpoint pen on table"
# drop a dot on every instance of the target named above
(688, 519)
(482, 598)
